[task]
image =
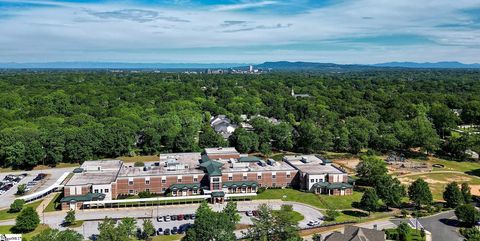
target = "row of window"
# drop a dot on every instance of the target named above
(101, 190)
(259, 177)
(147, 181)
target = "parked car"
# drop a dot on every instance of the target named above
(187, 216)
(180, 217)
(249, 213)
(193, 216)
(174, 230)
(174, 217)
(159, 219)
(255, 213)
(313, 223)
(159, 231)
(167, 218)
(167, 231)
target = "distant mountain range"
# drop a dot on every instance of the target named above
(444, 65)
(276, 66)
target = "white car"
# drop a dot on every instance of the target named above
(313, 223)
(167, 218)
(249, 213)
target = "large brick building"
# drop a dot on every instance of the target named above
(216, 172)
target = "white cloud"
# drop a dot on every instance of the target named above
(149, 34)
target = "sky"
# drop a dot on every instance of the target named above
(240, 31)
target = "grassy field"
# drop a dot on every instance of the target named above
(167, 237)
(54, 205)
(438, 181)
(467, 167)
(319, 201)
(294, 215)
(4, 214)
(27, 236)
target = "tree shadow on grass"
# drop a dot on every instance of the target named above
(355, 213)
(475, 172)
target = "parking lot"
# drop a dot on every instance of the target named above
(51, 176)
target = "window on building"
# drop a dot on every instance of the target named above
(245, 177)
(274, 184)
(195, 191)
(216, 186)
(274, 176)
(259, 177)
(164, 181)
(312, 180)
(216, 179)
(288, 175)
(106, 190)
(130, 192)
(195, 179)
(230, 178)
(147, 190)
(96, 191)
(164, 189)
(179, 180)
(130, 182)
(147, 182)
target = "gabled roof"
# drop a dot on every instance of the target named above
(353, 233)
(184, 186)
(84, 198)
(335, 185)
(239, 184)
(213, 168)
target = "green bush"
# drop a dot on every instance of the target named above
(17, 206)
(145, 194)
(26, 221)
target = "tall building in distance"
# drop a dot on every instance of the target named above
(250, 69)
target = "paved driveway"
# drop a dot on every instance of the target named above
(94, 216)
(54, 173)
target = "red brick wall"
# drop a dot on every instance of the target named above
(280, 180)
(155, 185)
(66, 191)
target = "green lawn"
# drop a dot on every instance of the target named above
(5, 214)
(27, 236)
(319, 201)
(167, 237)
(455, 165)
(294, 215)
(414, 235)
(55, 204)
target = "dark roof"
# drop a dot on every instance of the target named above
(218, 194)
(353, 233)
(212, 168)
(249, 159)
(84, 198)
(184, 186)
(335, 185)
(239, 184)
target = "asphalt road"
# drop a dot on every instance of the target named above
(442, 226)
(94, 216)
(7, 198)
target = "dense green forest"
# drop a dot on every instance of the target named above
(71, 116)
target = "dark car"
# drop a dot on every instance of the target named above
(174, 230)
(180, 217)
(255, 213)
(192, 216)
(167, 231)
(186, 217)
(159, 231)
(159, 219)
(174, 217)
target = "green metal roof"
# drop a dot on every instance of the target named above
(184, 186)
(218, 194)
(249, 159)
(336, 185)
(84, 198)
(239, 184)
(212, 168)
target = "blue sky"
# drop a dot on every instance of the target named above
(242, 31)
